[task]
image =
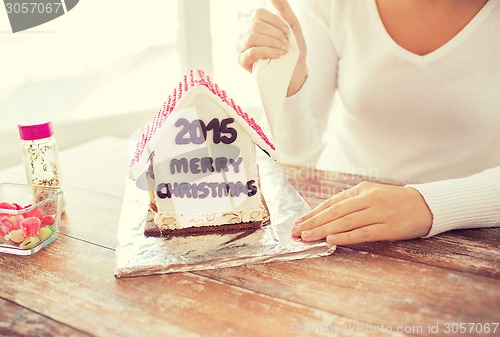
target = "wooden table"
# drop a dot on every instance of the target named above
(68, 288)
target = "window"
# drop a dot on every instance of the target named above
(101, 58)
(105, 66)
(228, 20)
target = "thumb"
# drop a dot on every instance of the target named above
(286, 12)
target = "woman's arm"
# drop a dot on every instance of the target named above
(469, 202)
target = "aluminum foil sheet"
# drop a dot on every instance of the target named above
(138, 255)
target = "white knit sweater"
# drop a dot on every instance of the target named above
(370, 106)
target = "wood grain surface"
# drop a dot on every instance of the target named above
(68, 288)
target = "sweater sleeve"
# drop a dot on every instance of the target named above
(469, 202)
(298, 138)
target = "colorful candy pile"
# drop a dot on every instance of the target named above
(25, 230)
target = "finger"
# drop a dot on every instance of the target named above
(344, 224)
(329, 214)
(254, 39)
(349, 193)
(273, 20)
(374, 232)
(264, 28)
(249, 56)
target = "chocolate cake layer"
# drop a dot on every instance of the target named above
(151, 229)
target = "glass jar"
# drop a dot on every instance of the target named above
(40, 154)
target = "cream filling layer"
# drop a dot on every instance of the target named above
(171, 220)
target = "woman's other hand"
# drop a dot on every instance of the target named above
(367, 212)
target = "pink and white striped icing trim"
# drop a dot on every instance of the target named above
(193, 79)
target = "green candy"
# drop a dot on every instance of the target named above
(52, 228)
(44, 233)
(29, 242)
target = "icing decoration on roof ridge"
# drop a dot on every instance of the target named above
(194, 79)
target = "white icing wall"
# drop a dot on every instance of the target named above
(204, 106)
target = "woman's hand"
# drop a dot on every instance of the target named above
(367, 212)
(266, 38)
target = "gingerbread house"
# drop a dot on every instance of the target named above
(197, 159)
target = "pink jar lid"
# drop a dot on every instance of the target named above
(34, 130)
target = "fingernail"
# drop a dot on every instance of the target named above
(278, 52)
(285, 29)
(299, 221)
(331, 238)
(284, 47)
(306, 234)
(296, 229)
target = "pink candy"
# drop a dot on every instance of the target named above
(48, 220)
(35, 212)
(6, 205)
(16, 220)
(30, 226)
(5, 225)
